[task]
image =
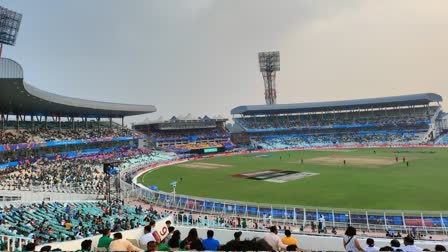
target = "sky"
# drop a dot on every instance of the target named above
(200, 56)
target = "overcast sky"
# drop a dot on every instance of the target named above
(200, 56)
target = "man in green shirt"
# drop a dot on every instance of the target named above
(105, 240)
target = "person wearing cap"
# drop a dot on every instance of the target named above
(274, 240)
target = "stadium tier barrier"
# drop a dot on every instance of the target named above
(13, 242)
(423, 222)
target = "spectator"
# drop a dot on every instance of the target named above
(45, 249)
(210, 243)
(86, 245)
(152, 246)
(371, 245)
(440, 248)
(386, 248)
(118, 244)
(247, 245)
(105, 240)
(395, 244)
(288, 239)
(147, 236)
(175, 240)
(170, 234)
(237, 235)
(274, 240)
(350, 241)
(30, 247)
(192, 241)
(409, 245)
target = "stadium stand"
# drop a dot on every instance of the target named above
(188, 134)
(407, 119)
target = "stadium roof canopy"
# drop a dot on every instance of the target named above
(383, 102)
(18, 97)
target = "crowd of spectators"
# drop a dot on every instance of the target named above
(84, 174)
(187, 134)
(55, 222)
(41, 135)
(341, 138)
(393, 117)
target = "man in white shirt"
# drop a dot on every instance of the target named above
(371, 246)
(409, 245)
(147, 236)
(274, 240)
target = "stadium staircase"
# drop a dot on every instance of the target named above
(432, 126)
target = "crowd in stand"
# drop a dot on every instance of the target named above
(171, 135)
(83, 174)
(13, 136)
(328, 139)
(51, 222)
(270, 241)
(385, 117)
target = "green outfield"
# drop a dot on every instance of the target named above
(368, 180)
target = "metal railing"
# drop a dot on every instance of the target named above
(414, 222)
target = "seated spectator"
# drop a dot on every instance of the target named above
(370, 245)
(210, 243)
(288, 239)
(440, 248)
(409, 245)
(152, 246)
(105, 240)
(247, 245)
(274, 240)
(174, 242)
(119, 244)
(395, 244)
(170, 234)
(192, 241)
(386, 248)
(147, 236)
(86, 245)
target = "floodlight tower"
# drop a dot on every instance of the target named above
(269, 65)
(9, 27)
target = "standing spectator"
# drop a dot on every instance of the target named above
(371, 245)
(105, 240)
(274, 240)
(288, 239)
(409, 245)
(118, 244)
(210, 243)
(321, 225)
(350, 241)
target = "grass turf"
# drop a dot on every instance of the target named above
(421, 186)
